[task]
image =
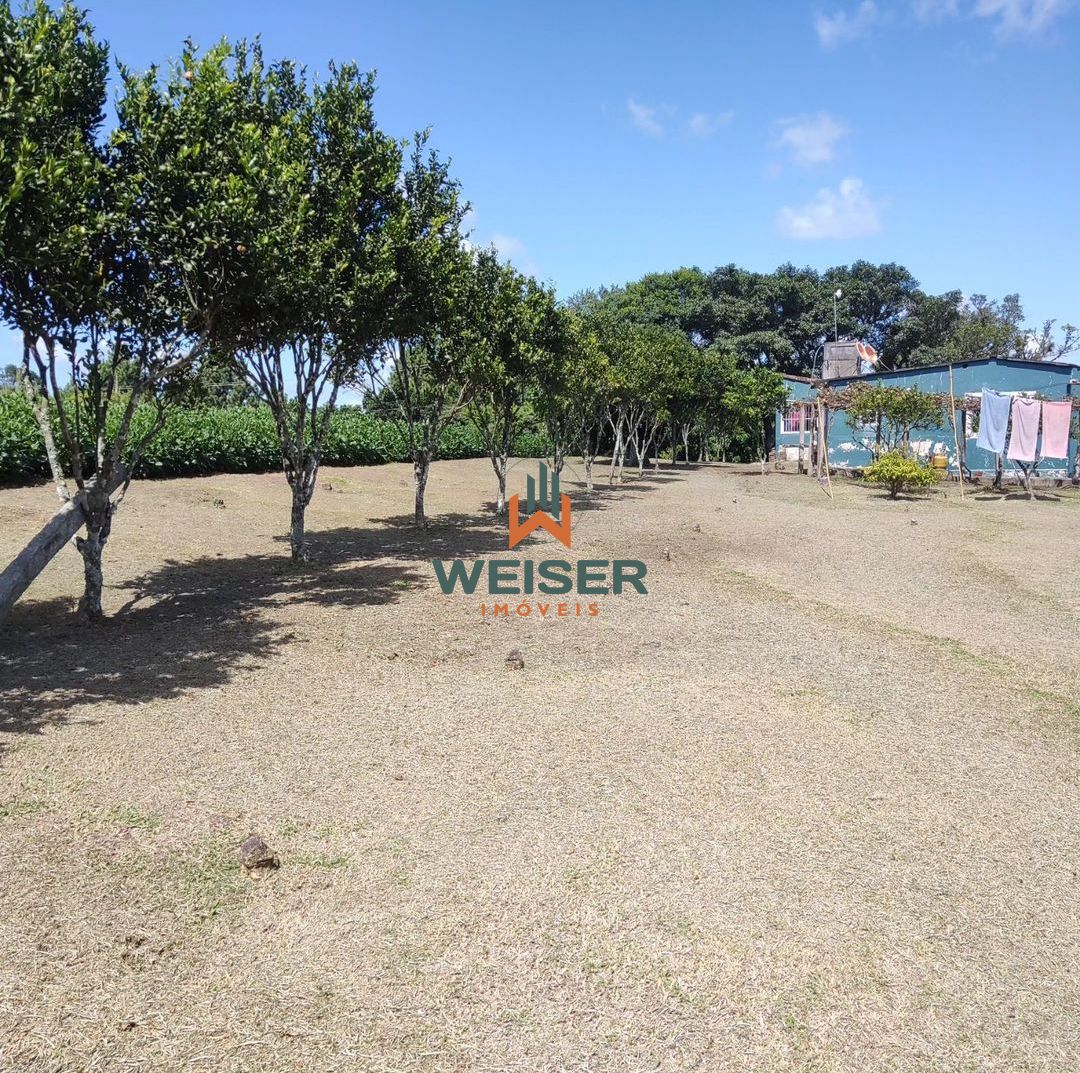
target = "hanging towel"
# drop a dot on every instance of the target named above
(1057, 416)
(993, 421)
(1025, 429)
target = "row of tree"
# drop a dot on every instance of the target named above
(241, 216)
(243, 223)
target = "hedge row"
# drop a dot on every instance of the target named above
(237, 439)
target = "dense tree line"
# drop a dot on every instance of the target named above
(246, 228)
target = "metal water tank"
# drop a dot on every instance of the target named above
(841, 359)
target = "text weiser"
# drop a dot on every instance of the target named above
(550, 577)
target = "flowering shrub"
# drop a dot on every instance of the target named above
(900, 473)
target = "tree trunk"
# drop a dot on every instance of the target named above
(17, 577)
(90, 548)
(641, 450)
(421, 468)
(499, 463)
(1025, 478)
(587, 462)
(297, 543)
(616, 450)
(40, 406)
(559, 460)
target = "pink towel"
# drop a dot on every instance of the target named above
(1057, 416)
(1025, 429)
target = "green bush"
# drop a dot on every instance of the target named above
(22, 454)
(900, 473)
(236, 439)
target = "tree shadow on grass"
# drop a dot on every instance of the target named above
(997, 497)
(900, 497)
(191, 625)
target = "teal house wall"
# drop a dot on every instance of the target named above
(1044, 379)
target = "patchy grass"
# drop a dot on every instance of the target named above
(16, 810)
(809, 805)
(319, 860)
(132, 818)
(210, 881)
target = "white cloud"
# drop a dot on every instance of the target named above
(645, 118)
(811, 139)
(507, 245)
(703, 125)
(841, 27)
(1017, 18)
(846, 212)
(510, 248)
(933, 10)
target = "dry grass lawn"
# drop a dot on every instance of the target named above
(812, 804)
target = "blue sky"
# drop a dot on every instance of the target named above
(600, 141)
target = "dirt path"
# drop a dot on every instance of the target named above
(811, 804)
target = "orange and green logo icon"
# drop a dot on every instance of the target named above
(549, 510)
(546, 507)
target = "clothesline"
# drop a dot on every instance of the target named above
(843, 398)
(1020, 416)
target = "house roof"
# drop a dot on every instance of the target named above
(1031, 362)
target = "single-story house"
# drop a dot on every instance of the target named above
(847, 445)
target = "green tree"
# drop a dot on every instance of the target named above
(314, 183)
(875, 299)
(575, 408)
(106, 325)
(421, 373)
(889, 415)
(566, 381)
(513, 328)
(750, 400)
(52, 184)
(920, 337)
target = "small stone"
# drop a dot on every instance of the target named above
(328, 486)
(913, 522)
(667, 554)
(255, 854)
(697, 528)
(515, 661)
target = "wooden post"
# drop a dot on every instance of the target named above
(956, 437)
(824, 441)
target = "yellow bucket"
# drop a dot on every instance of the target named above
(940, 462)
